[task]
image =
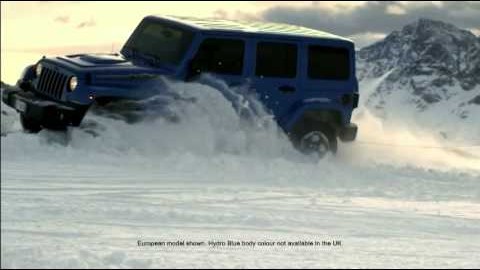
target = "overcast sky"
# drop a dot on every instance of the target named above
(373, 20)
(69, 26)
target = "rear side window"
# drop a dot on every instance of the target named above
(222, 56)
(328, 63)
(276, 60)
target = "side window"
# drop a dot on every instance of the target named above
(221, 56)
(276, 60)
(328, 63)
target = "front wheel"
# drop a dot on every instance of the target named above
(29, 124)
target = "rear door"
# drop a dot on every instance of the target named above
(276, 74)
(328, 75)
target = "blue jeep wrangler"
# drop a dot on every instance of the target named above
(304, 77)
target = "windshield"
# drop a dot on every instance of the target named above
(166, 45)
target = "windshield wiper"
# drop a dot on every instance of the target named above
(134, 53)
(129, 52)
(156, 61)
(148, 58)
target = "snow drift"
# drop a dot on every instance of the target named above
(85, 197)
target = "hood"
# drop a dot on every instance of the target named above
(95, 60)
(107, 64)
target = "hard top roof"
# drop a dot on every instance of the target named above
(251, 27)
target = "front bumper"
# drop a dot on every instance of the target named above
(348, 132)
(46, 112)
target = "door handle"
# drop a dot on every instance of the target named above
(286, 89)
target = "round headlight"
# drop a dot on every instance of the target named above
(38, 70)
(72, 83)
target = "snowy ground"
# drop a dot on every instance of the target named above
(83, 200)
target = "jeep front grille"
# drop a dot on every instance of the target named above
(51, 83)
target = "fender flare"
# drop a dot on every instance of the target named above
(316, 111)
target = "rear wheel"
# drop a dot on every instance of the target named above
(315, 140)
(30, 125)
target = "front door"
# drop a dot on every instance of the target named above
(221, 57)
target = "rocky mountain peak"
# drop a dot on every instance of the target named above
(426, 47)
(427, 68)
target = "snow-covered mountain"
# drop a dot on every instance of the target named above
(427, 73)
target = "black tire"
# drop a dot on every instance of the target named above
(316, 139)
(30, 125)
